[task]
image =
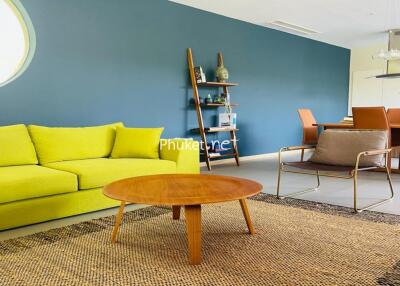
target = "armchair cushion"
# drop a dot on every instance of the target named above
(341, 147)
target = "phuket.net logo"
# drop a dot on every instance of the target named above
(190, 144)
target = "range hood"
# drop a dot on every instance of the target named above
(392, 56)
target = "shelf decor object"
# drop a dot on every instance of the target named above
(221, 72)
(204, 130)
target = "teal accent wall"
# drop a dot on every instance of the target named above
(99, 61)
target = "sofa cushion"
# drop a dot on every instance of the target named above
(16, 147)
(54, 144)
(341, 147)
(94, 173)
(137, 143)
(31, 181)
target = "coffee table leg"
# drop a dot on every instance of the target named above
(246, 214)
(118, 221)
(193, 227)
(176, 212)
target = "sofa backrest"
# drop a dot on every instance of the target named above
(16, 147)
(55, 144)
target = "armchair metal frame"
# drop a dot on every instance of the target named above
(353, 174)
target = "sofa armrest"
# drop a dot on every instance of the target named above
(185, 152)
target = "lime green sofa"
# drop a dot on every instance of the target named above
(51, 173)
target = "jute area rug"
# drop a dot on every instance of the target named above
(297, 243)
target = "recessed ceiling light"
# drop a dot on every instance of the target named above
(294, 27)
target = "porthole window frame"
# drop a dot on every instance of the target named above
(29, 36)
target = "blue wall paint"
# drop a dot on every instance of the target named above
(99, 61)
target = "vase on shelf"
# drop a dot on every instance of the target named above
(221, 73)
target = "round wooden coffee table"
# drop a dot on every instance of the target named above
(190, 191)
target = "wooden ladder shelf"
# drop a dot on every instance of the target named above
(224, 85)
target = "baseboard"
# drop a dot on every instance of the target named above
(247, 158)
(242, 159)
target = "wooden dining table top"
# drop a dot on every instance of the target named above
(334, 125)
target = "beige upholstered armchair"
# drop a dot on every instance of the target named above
(341, 151)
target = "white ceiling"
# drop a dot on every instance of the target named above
(345, 23)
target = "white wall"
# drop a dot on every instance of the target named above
(365, 90)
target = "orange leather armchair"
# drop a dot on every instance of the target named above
(310, 132)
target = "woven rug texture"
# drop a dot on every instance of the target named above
(296, 243)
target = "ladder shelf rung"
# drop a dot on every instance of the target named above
(197, 130)
(217, 84)
(222, 155)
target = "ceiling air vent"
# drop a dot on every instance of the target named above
(293, 27)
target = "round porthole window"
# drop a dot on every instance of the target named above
(17, 40)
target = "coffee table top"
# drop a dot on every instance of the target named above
(181, 189)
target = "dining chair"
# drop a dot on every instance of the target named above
(372, 118)
(393, 115)
(310, 131)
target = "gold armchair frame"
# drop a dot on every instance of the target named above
(353, 174)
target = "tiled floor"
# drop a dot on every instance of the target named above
(372, 187)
